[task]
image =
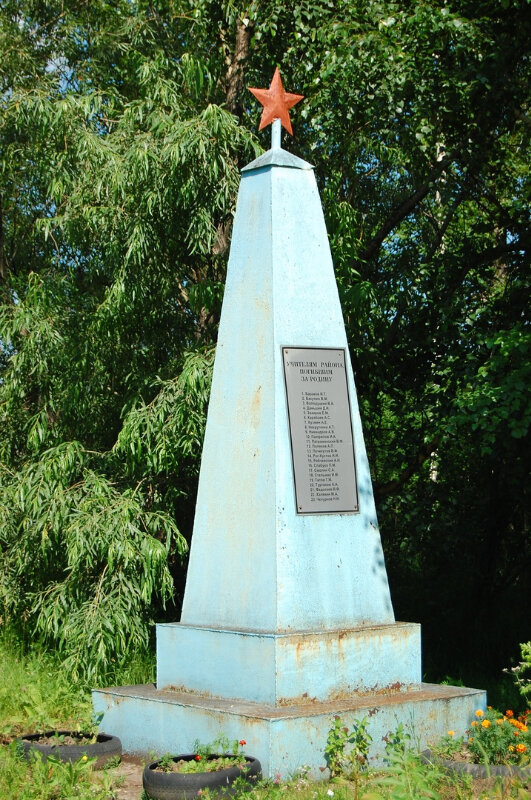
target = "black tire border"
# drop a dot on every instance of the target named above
(184, 786)
(477, 770)
(104, 748)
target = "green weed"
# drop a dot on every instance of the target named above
(347, 752)
(49, 779)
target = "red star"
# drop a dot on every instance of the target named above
(276, 103)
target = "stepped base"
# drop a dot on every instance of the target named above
(287, 668)
(283, 738)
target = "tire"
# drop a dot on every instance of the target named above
(185, 786)
(104, 748)
(477, 770)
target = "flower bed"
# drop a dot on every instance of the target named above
(184, 777)
(495, 744)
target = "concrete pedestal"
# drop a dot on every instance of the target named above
(284, 738)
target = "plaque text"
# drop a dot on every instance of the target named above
(322, 444)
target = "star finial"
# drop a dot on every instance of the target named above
(276, 103)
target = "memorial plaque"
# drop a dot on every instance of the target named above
(320, 423)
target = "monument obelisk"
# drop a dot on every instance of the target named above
(287, 617)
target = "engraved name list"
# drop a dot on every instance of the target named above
(322, 445)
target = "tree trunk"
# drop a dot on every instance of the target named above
(234, 86)
(236, 66)
(3, 259)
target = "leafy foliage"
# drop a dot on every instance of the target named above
(170, 429)
(123, 127)
(522, 673)
(83, 559)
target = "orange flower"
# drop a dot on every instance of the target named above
(499, 722)
(485, 723)
(470, 740)
(521, 748)
(451, 733)
(474, 724)
(242, 742)
(197, 757)
(479, 713)
(509, 713)
(511, 748)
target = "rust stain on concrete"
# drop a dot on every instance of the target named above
(255, 407)
(358, 703)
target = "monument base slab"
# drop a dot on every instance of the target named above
(283, 738)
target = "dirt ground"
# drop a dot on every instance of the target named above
(127, 778)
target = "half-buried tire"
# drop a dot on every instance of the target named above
(104, 748)
(160, 785)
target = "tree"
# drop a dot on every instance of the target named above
(123, 129)
(431, 242)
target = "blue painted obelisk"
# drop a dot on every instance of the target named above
(287, 617)
(265, 566)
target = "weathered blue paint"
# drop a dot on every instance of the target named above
(283, 738)
(254, 563)
(286, 668)
(287, 620)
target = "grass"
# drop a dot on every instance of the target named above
(407, 780)
(36, 695)
(51, 779)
